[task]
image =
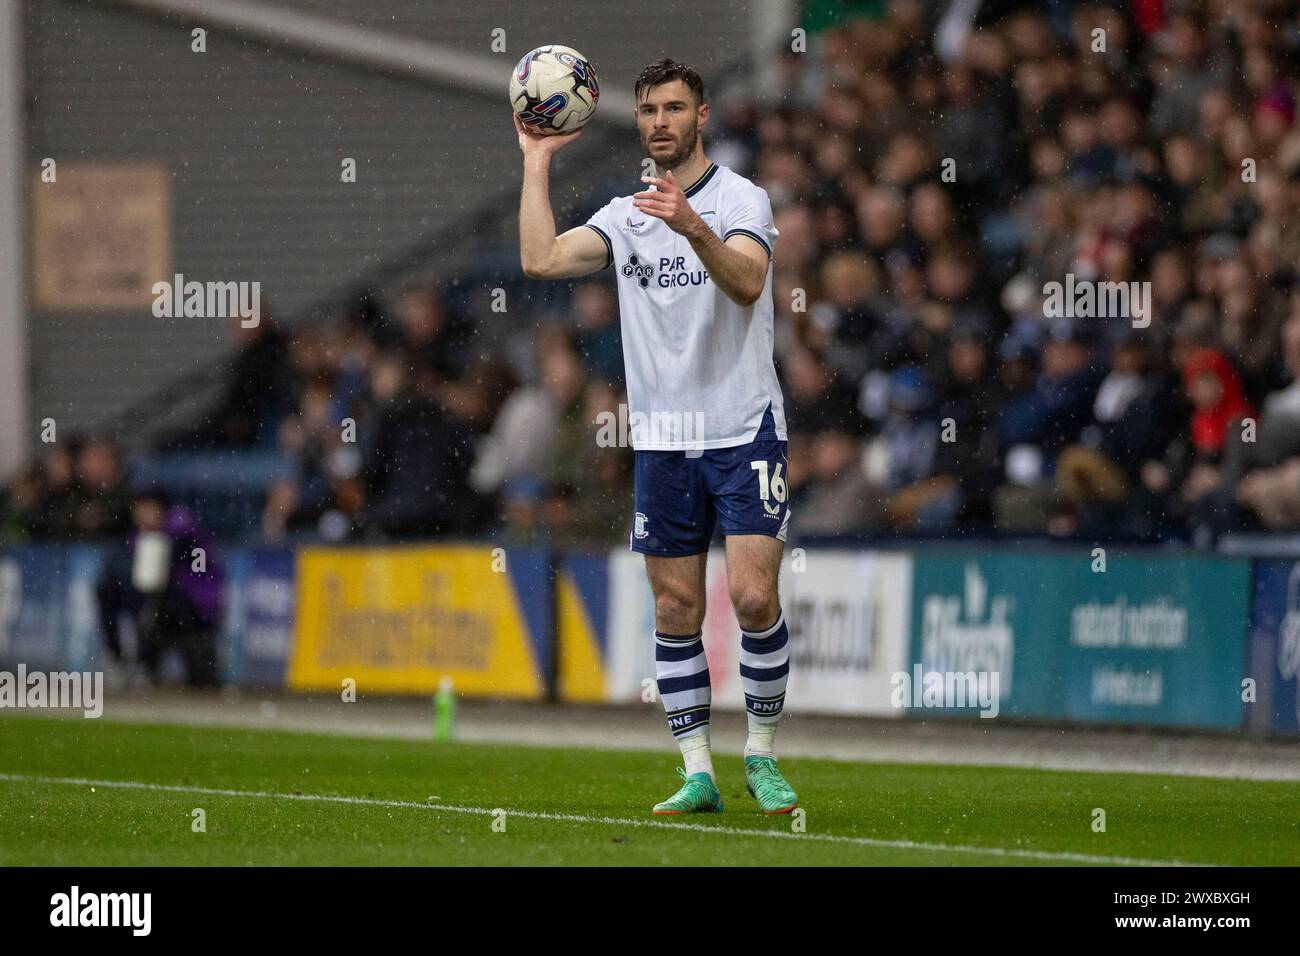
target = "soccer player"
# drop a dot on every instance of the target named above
(692, 258)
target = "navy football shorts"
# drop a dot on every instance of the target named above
(679, 500)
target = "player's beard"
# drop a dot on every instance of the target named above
(682, 153)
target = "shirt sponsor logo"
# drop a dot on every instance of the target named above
(634, 268)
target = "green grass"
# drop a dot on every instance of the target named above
(1147, 817)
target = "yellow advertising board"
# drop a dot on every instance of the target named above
(397, 620)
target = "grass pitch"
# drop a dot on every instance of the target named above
(79, 792)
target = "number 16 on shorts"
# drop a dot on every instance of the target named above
(771, 486)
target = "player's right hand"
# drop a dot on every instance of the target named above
(531, 142)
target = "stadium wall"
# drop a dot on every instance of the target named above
(1191, 642)
(249, 137)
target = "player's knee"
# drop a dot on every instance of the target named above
(756, 608)
(678, 613)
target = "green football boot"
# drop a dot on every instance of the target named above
(766, 785)
(699, 794)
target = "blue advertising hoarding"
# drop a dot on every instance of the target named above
(48, 608)
(1275, 647)
(1148, 640)
(259, 616)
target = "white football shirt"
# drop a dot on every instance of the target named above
(699, 366)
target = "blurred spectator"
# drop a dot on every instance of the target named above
(1263, 475)
(835, 497)
(326, 494)
(519, 455)
(20, 503)
(900, 460)
(76, 491)
(101, 491)
(1039, 422)
(815, 398)
(416, 459)
(167, 581)
(599, 341)
(59, 497)
(433, 341)
(847, 323)
(1113, 476)
(587, 503)
(966, 463)
(255, 397)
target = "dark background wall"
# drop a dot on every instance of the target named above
(253, 135)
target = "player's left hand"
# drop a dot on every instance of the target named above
(667, 202)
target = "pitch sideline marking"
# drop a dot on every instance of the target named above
(1066, 857)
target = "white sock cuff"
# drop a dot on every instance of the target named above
(764, 635)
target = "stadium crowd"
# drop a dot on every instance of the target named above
(934, 169)
(934, 175)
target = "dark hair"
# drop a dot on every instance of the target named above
(665, 71)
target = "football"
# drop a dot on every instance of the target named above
(554, 90)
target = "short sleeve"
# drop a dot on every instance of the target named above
(600, 222)
(750, 215)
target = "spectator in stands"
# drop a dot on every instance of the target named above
(1104, 479)
(433, 340)
(815, 398)
(595, 319)
(588, 504)
(835, 496)
(416, 458)
(1038, 423)
(1219, 407)
(1171, 290)
(325, 494)
(1258, 485)
(101, 491)
(1263, 475)
(847, 322)
(166, 579)
(59, 496)
(575, 434)
(966, 464)
(517, 456)
(255, 396)
(900, 460)
(20, 504)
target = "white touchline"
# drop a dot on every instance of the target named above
(612, 821)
